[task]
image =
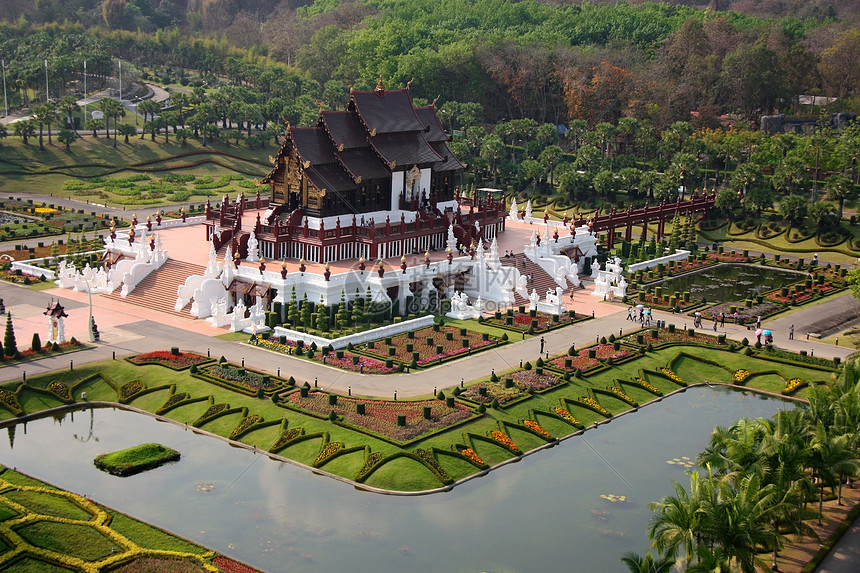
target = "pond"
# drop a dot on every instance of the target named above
(729, 283)
(544, 510)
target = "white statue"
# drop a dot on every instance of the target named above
(479, 305)
(529, 209)
(533, 240)
(452, 240)
(533, 299)
(514, 212)
(494, 250)
(479, 251)
(595, 269)
(253, 248)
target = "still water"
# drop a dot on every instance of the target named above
(728, 283)
(544, 512)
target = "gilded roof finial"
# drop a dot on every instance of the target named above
(435, 100)
(380, 87)
(409, 83)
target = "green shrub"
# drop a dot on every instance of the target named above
(527, 366)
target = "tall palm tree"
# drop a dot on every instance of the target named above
(648, 564)
(40, 116)
(69, 105)
(840, 188)
(676, 526)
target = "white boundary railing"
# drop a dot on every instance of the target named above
(357, 338)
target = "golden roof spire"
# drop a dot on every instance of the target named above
(380, 87)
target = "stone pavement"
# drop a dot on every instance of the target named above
(128, 330)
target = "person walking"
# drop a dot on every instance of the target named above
(541, 344)
(737, 315)
(629, 312)
(722, 318)
(715, 323)
(791, 332)
(758, 322)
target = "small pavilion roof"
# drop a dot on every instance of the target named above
(428, 117)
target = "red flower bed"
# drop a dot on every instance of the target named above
(365, 364)
(428, 352)
(381, 415)
(166, 358)
(679, 335)
(582, 362)
(523, 321)
(228, 565)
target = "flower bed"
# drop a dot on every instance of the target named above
(679, 336)
(594, 405)
(355, 363)
(20, 278)
(61, 390)
(227, 565)
(535, 427)
(567, 416)
(380, 416)
(683, 267)
(240, 379)
(130, 389)
(740, 376)
(470, 453)
(793, 386)
(522, 321)
(505, 440)
(668, 373)
(429, 354)
(10, 402)
(582, 361)
(642, 383)
(523, 381)
(178, 361)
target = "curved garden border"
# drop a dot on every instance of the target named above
(358, 485)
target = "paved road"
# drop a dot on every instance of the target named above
(845, 555)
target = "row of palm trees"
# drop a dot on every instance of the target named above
(758, 479)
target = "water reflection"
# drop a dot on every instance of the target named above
(727, 283)
(546, 509)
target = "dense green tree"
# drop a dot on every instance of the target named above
(839, 188)
(10, 347)
(793, 209)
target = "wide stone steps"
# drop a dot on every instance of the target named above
(158, 290)
(542, 280)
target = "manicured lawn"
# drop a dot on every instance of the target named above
(691, 363)
(151, 537)
(79, 541)
(88, 532)
(135, 460)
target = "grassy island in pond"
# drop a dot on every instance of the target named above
(135, 460)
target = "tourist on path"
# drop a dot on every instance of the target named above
(715, 323)
(737, 315)
(791, 332)
(722, 318)
(541, 344)
(758, 322)
(629, 313)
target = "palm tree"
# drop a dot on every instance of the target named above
(683, 166)
(41, 114)
(69, 105)
(25, 129)
(126, 130)
(677, 525)
(95, 125)
(840, 188)
(832, 458)
(181, 101)
(648, 564)
(148, 108)
(112, 110)
(66, 137)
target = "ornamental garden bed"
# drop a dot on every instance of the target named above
(399, 421)
(701, 261)
(173, 359)
(522, 320)
(428, 346)
(72, 345)
(662, 337)
(343, 359)
(512, 387)
(591, 358)
(241, 379)
(135, 460)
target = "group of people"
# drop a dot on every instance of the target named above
(640, 314)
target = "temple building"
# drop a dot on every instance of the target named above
(376, 180)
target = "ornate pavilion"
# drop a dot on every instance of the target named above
(376, 180)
